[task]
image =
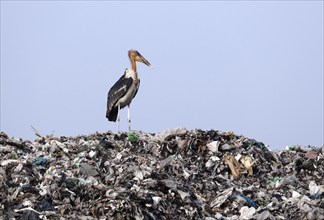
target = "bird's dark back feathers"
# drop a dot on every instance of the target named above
(117, 91)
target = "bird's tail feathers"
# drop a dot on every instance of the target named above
(112, 114)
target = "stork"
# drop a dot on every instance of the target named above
(124, 90)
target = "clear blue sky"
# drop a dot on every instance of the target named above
(253, 67)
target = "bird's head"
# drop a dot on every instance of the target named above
(136, 56)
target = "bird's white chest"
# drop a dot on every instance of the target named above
(127, 98)
(129, 73)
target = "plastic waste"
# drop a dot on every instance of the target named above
(221, 197)
(41, 160)
(132, 137)
(233, 165)
(315, 191)
(248, 200)
(247, 162)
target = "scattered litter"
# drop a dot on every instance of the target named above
(233, 165)
(41, 160)
(132, 137)
(247, 213)
(248, 200)
(247, 162)
(88, 170)
(213, 146)
(221, 197)
(315, 191)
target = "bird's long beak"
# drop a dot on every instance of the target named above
(140, 58)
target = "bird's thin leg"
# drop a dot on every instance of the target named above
(129, 119)
(118, 119)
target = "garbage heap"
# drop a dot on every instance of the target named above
(175, 174)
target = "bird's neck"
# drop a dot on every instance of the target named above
(133, 65)
(134, 68)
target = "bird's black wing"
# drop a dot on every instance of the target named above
(117, 91)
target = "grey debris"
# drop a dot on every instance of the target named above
(88, 170)
(221, 197)
(213, 146)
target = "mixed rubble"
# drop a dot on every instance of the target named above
(175, 174)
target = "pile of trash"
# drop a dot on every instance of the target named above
(175, 174)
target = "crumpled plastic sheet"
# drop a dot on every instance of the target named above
(174, 174)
